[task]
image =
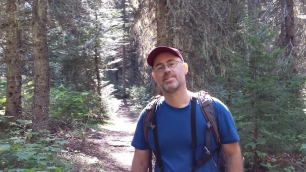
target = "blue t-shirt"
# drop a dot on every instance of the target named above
(174, 135)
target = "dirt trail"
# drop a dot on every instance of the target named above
(108, 149)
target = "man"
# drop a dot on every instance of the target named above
(174, 126)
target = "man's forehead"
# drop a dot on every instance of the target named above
(165, 57)
(170, 60)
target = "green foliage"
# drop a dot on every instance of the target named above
(139, 96)
(2, 96)
(18, 152)
(267, 96)
(69, 105)
(27, 98)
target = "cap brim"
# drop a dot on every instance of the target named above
(161, 49)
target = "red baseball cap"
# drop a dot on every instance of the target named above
(162, 49)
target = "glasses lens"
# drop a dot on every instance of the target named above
(171, 64)
(160, 68)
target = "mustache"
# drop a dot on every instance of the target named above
(167, 75)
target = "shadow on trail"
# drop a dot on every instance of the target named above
(96, 153)
(108, 149)
(125, 111)
(95, 157)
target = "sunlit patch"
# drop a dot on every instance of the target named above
(302, 16)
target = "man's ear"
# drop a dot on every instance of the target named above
(153, 74)
(186, 68)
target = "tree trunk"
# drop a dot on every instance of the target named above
(97, 70)
(13, 62)
(229, 61)
(123, 72)
(256, 157)
(287, 35)
(124, 51)
(97, 60)
(253, 8)
(41, 96)
(164, 27)
(163, 23)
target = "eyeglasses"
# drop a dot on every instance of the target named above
(171, 65)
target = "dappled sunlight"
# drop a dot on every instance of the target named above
(64, 65)
(124, 158)
(122, 119)
(81, 158)
(109, 146)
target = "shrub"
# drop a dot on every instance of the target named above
(68, 105)
(139, 96)
(20, 153)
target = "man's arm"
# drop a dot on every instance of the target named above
(233, 157)
(140, 161)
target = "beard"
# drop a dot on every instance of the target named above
(173, 86)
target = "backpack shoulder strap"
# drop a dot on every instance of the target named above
(148, 123)
(210, 115)
(147, 116)
(208, 111)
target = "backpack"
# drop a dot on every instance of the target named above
(205, 101)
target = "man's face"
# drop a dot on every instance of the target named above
(172, 77)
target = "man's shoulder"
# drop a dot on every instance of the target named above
(217, 103)
(154, 99)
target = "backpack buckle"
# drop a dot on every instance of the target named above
(208, 125)
(206, 150)
(149, 124)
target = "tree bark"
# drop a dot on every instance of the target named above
(41, 96)
(287, 35)
(97, 61)
(123, 72)
(164, 30)
(124, 52)
(163, 23)
(13, 62)
(229, 62)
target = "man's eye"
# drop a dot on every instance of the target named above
(159, 68)
(171, 64)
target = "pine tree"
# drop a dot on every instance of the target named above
(13, 62)
(266, 97)
(40, 106)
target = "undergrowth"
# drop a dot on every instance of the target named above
(72, 112)
(20, 152)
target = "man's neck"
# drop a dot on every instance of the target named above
(179, 99)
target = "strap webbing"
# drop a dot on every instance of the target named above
(193, 130)
(147, 123)
(208, 125)
(157, 149)
(204, 159)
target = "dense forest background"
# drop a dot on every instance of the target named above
(62, 61)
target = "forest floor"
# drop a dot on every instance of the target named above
(109, 147)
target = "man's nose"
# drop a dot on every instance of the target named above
(167, 69)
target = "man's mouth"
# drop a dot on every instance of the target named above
(168, 78)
